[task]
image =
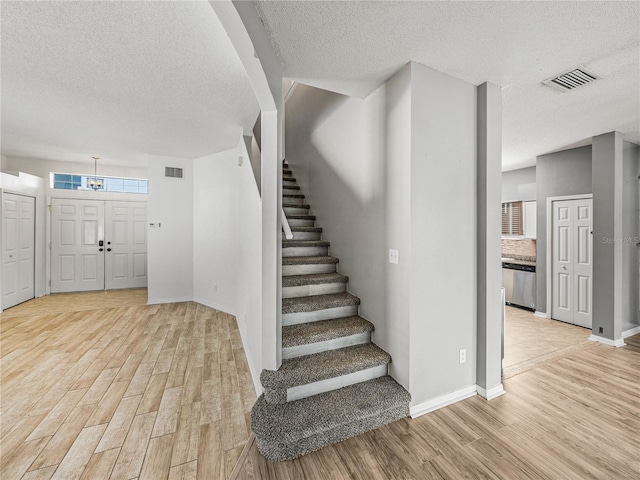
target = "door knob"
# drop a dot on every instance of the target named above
(564, 267)
(108, 249)
(100, 249)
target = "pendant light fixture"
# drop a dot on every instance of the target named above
(95, 182)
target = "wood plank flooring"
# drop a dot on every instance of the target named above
(100, 385)
(574, 415)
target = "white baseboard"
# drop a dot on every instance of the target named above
(217, 306)
(255, 375)
(156, 301)
(541, 314)
(612, 343)
(492, 393)
(631, 332)
(442, 401)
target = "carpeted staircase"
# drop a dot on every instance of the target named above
(333, 383)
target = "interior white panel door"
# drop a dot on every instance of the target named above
(77, 259)
(18, 249)
(126, 245)
(572, 257)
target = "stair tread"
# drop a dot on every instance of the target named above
(307, 229)
(292, 195)
(309, 260)
(290, 422)
(297, 216)
(286, 171)
(296, 205)
(290, 187)
(318, 302)
(324, 330)
(305, 243)
(324, 365)
(313, 279)
(289, 179)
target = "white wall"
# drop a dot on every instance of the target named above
(443, 233)
(227, 250)
(170, 247)
(25, 184)
(215, 238)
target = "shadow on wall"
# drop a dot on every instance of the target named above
(337, 154)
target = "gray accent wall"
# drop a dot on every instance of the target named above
(519, 185)
(557, 174)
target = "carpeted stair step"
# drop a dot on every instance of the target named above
(286, 171)
(301, 220)
(314, 337)
(288, 180)
(318, 307)
(306, 233)
(308, 265)
(313, 284)
(292, 199)
(295, 209)
(297, 248)
(286, 431)
(322, 372)
(290, 187)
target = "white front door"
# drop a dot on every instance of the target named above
(126, 245)
(77, 259)
(572, 261)
(80, 262)
(18, 249)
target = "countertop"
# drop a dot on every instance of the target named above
(520, 260)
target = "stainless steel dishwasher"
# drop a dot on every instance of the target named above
(519, 282)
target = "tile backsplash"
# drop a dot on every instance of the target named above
(512, 247)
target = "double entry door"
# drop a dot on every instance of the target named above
(18, 249)
(572, 261)
(98, 245)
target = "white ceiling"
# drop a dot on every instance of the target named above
(120, 80)
(353, 47)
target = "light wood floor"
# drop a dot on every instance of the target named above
(532, 341)
(573, 415)
(99, 386)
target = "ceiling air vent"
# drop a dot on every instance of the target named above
(572, 79)
(173, 172)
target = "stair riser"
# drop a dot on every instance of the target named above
(308, 290)
(290, 191)
(295, 211)
(297, 201)
(281, 451)
(308, 269)
(287, 181)
(304, 251)
(326, 314)
(297, 222)
(304, 391)
(307, 235)
(342, 342)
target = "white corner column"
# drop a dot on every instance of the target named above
(489, 273)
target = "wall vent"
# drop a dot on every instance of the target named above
(173, 172)
(572, 79)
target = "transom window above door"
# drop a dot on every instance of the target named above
(66, 181)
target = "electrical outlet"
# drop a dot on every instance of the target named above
(463, 355)
(393, 256)
(600, 330)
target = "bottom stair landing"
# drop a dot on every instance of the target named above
(287, 430)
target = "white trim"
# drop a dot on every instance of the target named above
(550, 201)
(217, 306)
(631, 332)
(255, 375)
(492, 393)
(540, 314)
(612, 343)
(156, 301)
(442, 401)
(289, 92)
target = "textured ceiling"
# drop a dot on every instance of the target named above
(353, 47)
(120, 80)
